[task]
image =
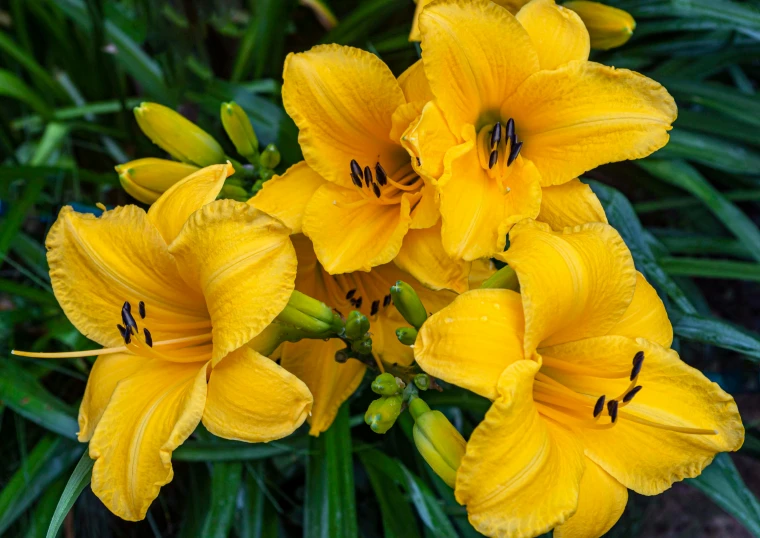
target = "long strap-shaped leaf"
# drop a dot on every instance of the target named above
(79, 480)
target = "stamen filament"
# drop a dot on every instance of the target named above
(679, 429)
(580, 370)
(564, 418)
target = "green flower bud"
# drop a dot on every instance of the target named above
(383, 412)
(385, 385)
(308, 314)
(437, 440)
(504, 278)
(233, 192)
(363, 347)
(239, 129)
(266, 174)
(357, 325)
(422, 381)
(408, 304)
(178, 136)
(406, 335)
(270, 157)
(608, 27)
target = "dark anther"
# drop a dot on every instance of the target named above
(375, 308)
(126, 317)
(124, 334)
(496, 135)
(350, 293)
(356, 170)
(638, 362)
(493, 158)
(511, 129)
(382, 177)
(631, 393)
(376, 189)
(358, 302)
(141, 309)
(612, 407)
(419, 162)
(514, 152)
(148, 337)
(367, 175)
(386, 300)
(599, 406)
(356, 180)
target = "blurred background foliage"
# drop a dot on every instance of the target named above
(70, 73)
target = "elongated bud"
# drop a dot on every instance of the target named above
(437, 440)
(383, 412)
(406, 335)
(385, 385)
(239, 129)
(422, 381)
(147, 179)
(309, 315)
(504, 278)
(270, 157)
(234, 192)
(357, 325)
(364, 346)
(408, 304)
(608, 27)
(178, 136)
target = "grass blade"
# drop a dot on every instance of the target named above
(711, 151)
(219, 450)
(330, 505)
(700, 267)
(79, 480)
(14, 87)
(225, 484)
(719, 333)
(722, 482)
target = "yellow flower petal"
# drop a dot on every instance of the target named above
(286, 196)
(98, 263)
(608, 26)
(521, 474)
(570, 204)
(601, 502)
(350, 239)
(404, 116)
(415, 35)
(137, 192)
(428, 139)
(106, 373)
(476, 213)
(243, 262)
(342, 100)
(251, 398)
(644, 458)
(426, 213)
(413, 81)
(155, 174)
(422, 255)
(584, 114)
(184, 198)
(557, 33)
(150, 414)
(574, 284)
(475, 54)
(330, 382)
(646, 316)
(470, 342)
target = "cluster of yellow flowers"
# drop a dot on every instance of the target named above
(418, 180)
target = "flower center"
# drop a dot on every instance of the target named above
(381, 187)
(498, 148)
(191, 348)
(365, 292)
(567, 406)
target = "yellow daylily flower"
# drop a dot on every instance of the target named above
(588, 398)
(351, 111)
(193, 280)
(518, 110)
(608, 26)
(147, 179)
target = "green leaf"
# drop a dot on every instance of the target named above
(398, 518)
(711, 151)
(222, 450)
(79, 480)
(44, 509)
(357, 25)
(27, 292)
(330, 505)
(700, 267)
(622, 216)
(28, 62)
(257, 519)
(685, 176)
(26, 396)
(427, 505)
(716, 332)
(744, 17)
(225, 484)
(50, 457)
(730, 101)
(679, 242)
(718, 124)
(722, 482)
(14, 87)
